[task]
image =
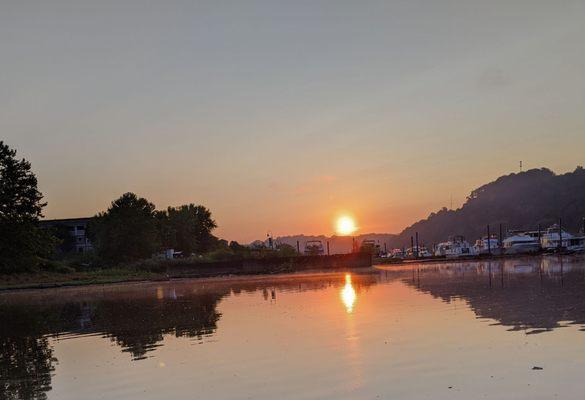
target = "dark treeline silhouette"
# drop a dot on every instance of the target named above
(517, 201)
(132, 229)
(22, 243)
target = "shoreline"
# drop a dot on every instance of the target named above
(177, 269)
(53, 280)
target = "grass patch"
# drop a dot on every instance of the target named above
(58, 277)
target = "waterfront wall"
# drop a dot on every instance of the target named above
(269, 265)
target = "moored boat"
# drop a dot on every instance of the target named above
(455, 247)
(487, 246)
(521, 243)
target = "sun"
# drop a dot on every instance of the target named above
(345, 225)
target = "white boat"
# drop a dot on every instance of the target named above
(576, 244)
(486, 246)
(521, 243)
(419, 252)
(552, 237)
(455, 247)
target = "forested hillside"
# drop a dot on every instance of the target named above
(517, 201)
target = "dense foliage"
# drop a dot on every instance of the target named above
(187, 228)
(127, 231)
(517, 201)
(22, 242)
(131, 229)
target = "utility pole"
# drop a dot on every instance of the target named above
(520, 166)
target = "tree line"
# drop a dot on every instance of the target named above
(130, 229)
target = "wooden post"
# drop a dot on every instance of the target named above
(328, 247)
(298, 247)
(560, 234)
(489, 241)
(416, 233)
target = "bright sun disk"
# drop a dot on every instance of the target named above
(346, 225)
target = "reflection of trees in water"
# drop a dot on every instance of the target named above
(138, 326)
(136, 318)
(26, 364)
(537, 295)
(26, 359)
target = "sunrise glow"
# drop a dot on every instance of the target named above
(345, 226)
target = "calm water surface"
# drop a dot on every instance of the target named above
(458, 331)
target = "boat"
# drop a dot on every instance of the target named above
(554, 238)
(576, 244)
(456, 246)
(314, 248)
(397, 253)
(418, 252)
(521, 243)
(487, 246)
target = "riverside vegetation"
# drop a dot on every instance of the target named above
(125, 237)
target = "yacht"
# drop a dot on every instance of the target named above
(520, 243)
(487, 246)
(397, 253)
(455, 247)
(576, 244)
(551, 238)
(420, 252)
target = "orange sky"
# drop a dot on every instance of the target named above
(279, 117)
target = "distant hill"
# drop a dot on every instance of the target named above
(517, 201)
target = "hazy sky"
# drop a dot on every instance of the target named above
(280, 115)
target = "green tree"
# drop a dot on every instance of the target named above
(187, 228)
(127, 231)
(22, 242)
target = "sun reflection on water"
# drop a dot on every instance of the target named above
(348, 295)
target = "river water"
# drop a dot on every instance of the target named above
(510, 329)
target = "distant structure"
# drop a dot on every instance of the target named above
(77, 228)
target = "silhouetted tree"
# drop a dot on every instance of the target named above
(187, 228)
(22, 242)
(127, 231)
